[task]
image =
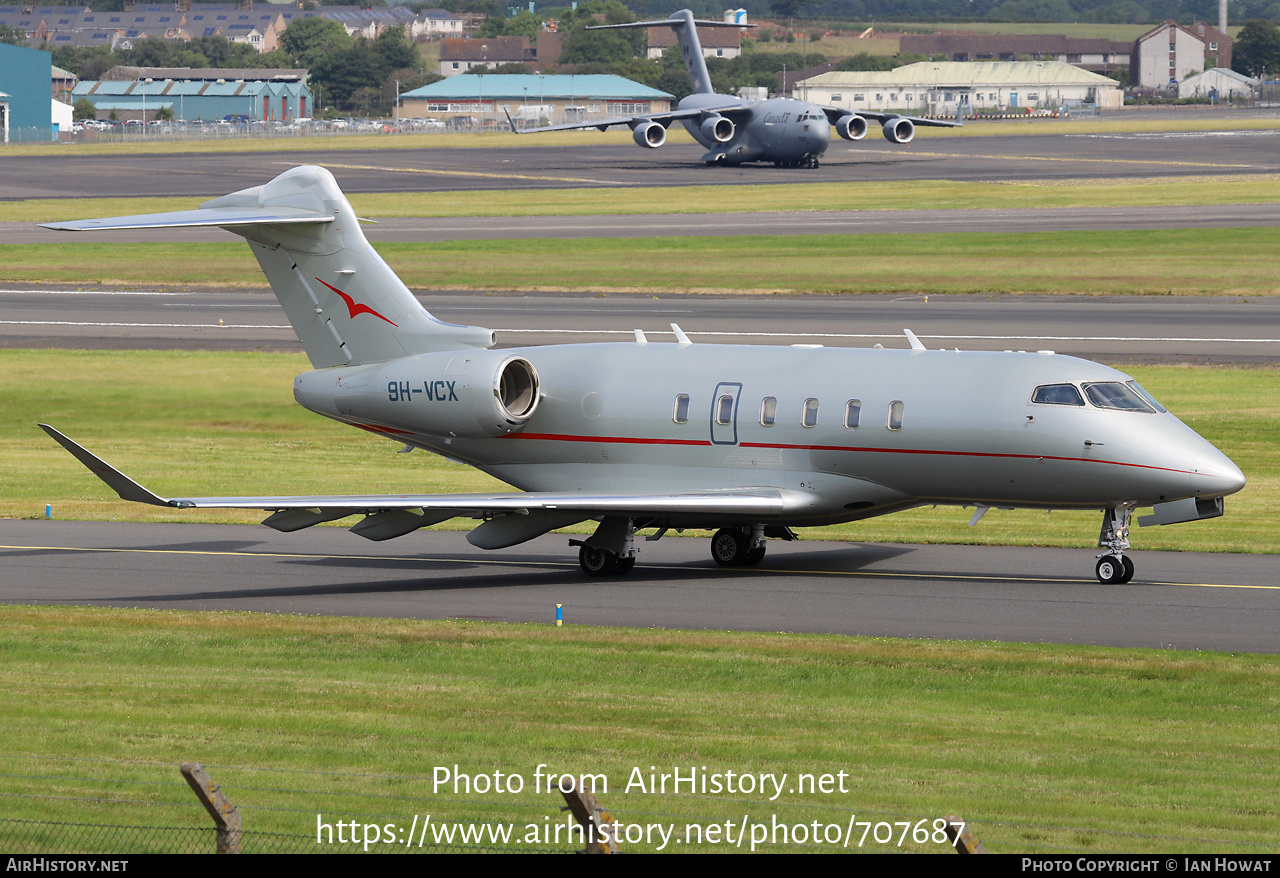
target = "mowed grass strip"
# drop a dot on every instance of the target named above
(1228, 262)
(217, 424)
(1041, 747)
(750, 198)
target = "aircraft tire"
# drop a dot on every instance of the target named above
(625, 565)
(597, 562)
(755, 556)
(1128, 569)
(729, 547)
(1110, 570)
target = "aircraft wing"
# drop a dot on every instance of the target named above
(664, 119)
(440, 507)
(834, 114)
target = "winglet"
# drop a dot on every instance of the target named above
(511, 122)
(126, 487)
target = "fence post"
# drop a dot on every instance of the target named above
(592, 816)
(962, 837)
(224, 814)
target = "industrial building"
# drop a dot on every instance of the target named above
(26, 94)
(206, 95)
(534, 99)
(940, 88)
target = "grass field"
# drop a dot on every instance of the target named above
(1213, 262)
(874, 195)
(1041, 748)
(212, 424)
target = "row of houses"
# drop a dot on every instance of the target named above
(53, 26)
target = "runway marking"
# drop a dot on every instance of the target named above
(723, 333)
(486, 174)
(148, 325)
(1049, 158)
(487, 561)
(86, 293)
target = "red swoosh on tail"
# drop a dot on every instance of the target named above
(352, 308)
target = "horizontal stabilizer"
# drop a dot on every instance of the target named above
(213, 216)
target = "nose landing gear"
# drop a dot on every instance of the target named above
(1114, 566)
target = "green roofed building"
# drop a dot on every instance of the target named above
(26, 88)
(532, 99)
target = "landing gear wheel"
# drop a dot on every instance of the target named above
(729, 547)
(625, 565)
(1111, 569)
(1128, 569)
(754, 556)
(598, 562)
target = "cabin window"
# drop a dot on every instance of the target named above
(1057, 394)
(895, 415)
(1114, 395)
(768, 411)
(852, 411)
(681, 413)
(810, 416)
(724, 410)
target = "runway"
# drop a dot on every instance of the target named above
(1177, 600)
(1119, 330)
(997, 157)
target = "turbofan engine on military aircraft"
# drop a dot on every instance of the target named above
(748, 441)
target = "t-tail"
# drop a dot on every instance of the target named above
(686, 28)
(345, 303)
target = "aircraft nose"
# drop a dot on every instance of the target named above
(1225, 477)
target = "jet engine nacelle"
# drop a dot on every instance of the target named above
(451, 394)
(899, 130)
(650, 134)
(718, 128)
(851, 127)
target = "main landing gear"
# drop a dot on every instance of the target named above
(738, 547)
(1114, 566)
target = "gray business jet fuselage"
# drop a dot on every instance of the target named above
(748, 440)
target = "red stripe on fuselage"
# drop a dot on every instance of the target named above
(630, 440)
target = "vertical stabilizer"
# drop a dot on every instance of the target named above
(346, 305)
(686, 28)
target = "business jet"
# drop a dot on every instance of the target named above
(750, 442)
(788, 132)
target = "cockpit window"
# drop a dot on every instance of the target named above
(1057, 394)
(1137, 388)
(1114, 395)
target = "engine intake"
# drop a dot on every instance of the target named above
(718, 129)
(851, 127)
(650, 134)
(469, 395)
(899, 130)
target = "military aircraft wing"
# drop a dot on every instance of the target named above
(835, 114)
(582, 504)
(663, 119)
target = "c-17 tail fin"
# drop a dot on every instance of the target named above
(345, 303)
(686, 28)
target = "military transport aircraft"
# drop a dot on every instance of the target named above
(748, 441)
(788, 132)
